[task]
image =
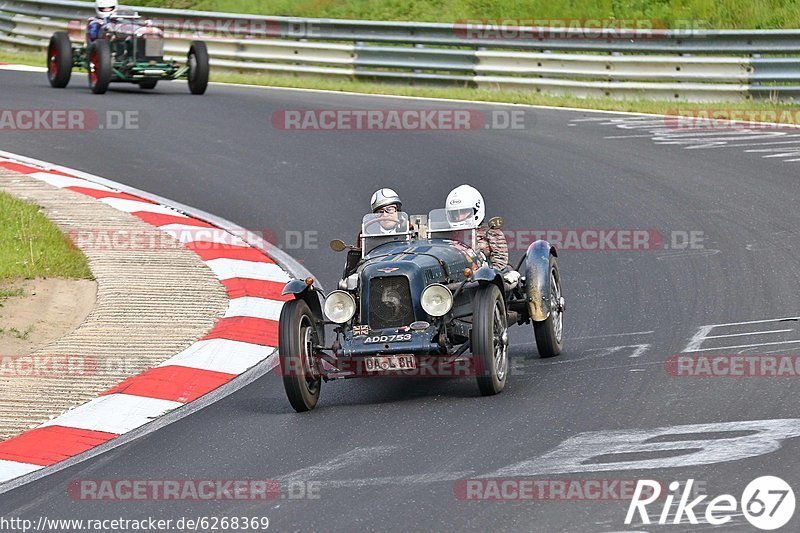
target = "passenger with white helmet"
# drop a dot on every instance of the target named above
(465, 208)
(105, 9)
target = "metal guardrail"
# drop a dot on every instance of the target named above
(693, 65)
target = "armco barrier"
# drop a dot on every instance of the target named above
(693, 65)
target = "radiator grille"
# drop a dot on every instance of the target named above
(390, 303)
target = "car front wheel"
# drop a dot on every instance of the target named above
(297, 337)
(490, 340)
(99, 64)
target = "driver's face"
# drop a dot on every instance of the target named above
(389, 216)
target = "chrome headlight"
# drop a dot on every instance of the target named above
(437, 300)
(340, 307)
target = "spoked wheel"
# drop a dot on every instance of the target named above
(198, 67)
(99, 65)
(296, 341)
(490, 340)
(59, 60)
(549, 333)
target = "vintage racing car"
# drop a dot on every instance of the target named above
(413, 299)
(128, 50)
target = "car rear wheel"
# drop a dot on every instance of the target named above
(198, 67)
(99, 62)
(148, 84)
(549, 333)
(490, 340)
(297, 337)
(59, 60)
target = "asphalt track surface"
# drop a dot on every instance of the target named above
(389, 451)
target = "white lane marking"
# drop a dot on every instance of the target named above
(636, 350)
(114, 413)
(354, 457)
(694, 137)
(747, 345)
(412, 479)
(23, 68)
(134, 206)
(254, 307)
(12, 469)
(615, 335)
(593, 451)
(61, 182)
(236, 268)
(747, 334)
(222, 355)
(695, 344)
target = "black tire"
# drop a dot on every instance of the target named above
(59, 60)
(490, 340)
(550, 333)
(98, 62)
(198, 67)
(297, 330)
(148, 84)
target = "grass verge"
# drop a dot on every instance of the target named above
(756, 14)
(33, 247)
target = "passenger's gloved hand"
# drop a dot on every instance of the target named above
(512, 278)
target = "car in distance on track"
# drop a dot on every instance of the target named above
(128, 50)
(413, 299)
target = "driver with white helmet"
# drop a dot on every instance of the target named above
(465, 208)
(105, 10)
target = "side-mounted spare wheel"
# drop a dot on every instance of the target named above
(198, 67)
(297, 336)
(490, 339)
(98, 56)
(549, 332)
(59, 60)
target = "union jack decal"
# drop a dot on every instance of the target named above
(360, 330)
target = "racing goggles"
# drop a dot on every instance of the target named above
(387, 210)
(106, 9)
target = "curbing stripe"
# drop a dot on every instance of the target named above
(234, 268)
(255, 307)
(246, 329)
(242, 287)
(48, 445)
(156, 219)
(115, 413)
(240, 341)
(15, 469)
(228, 252)
(215, 355)
(175, 383)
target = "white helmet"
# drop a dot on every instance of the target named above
(384, 197)
(105, 8)
(464, 207)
